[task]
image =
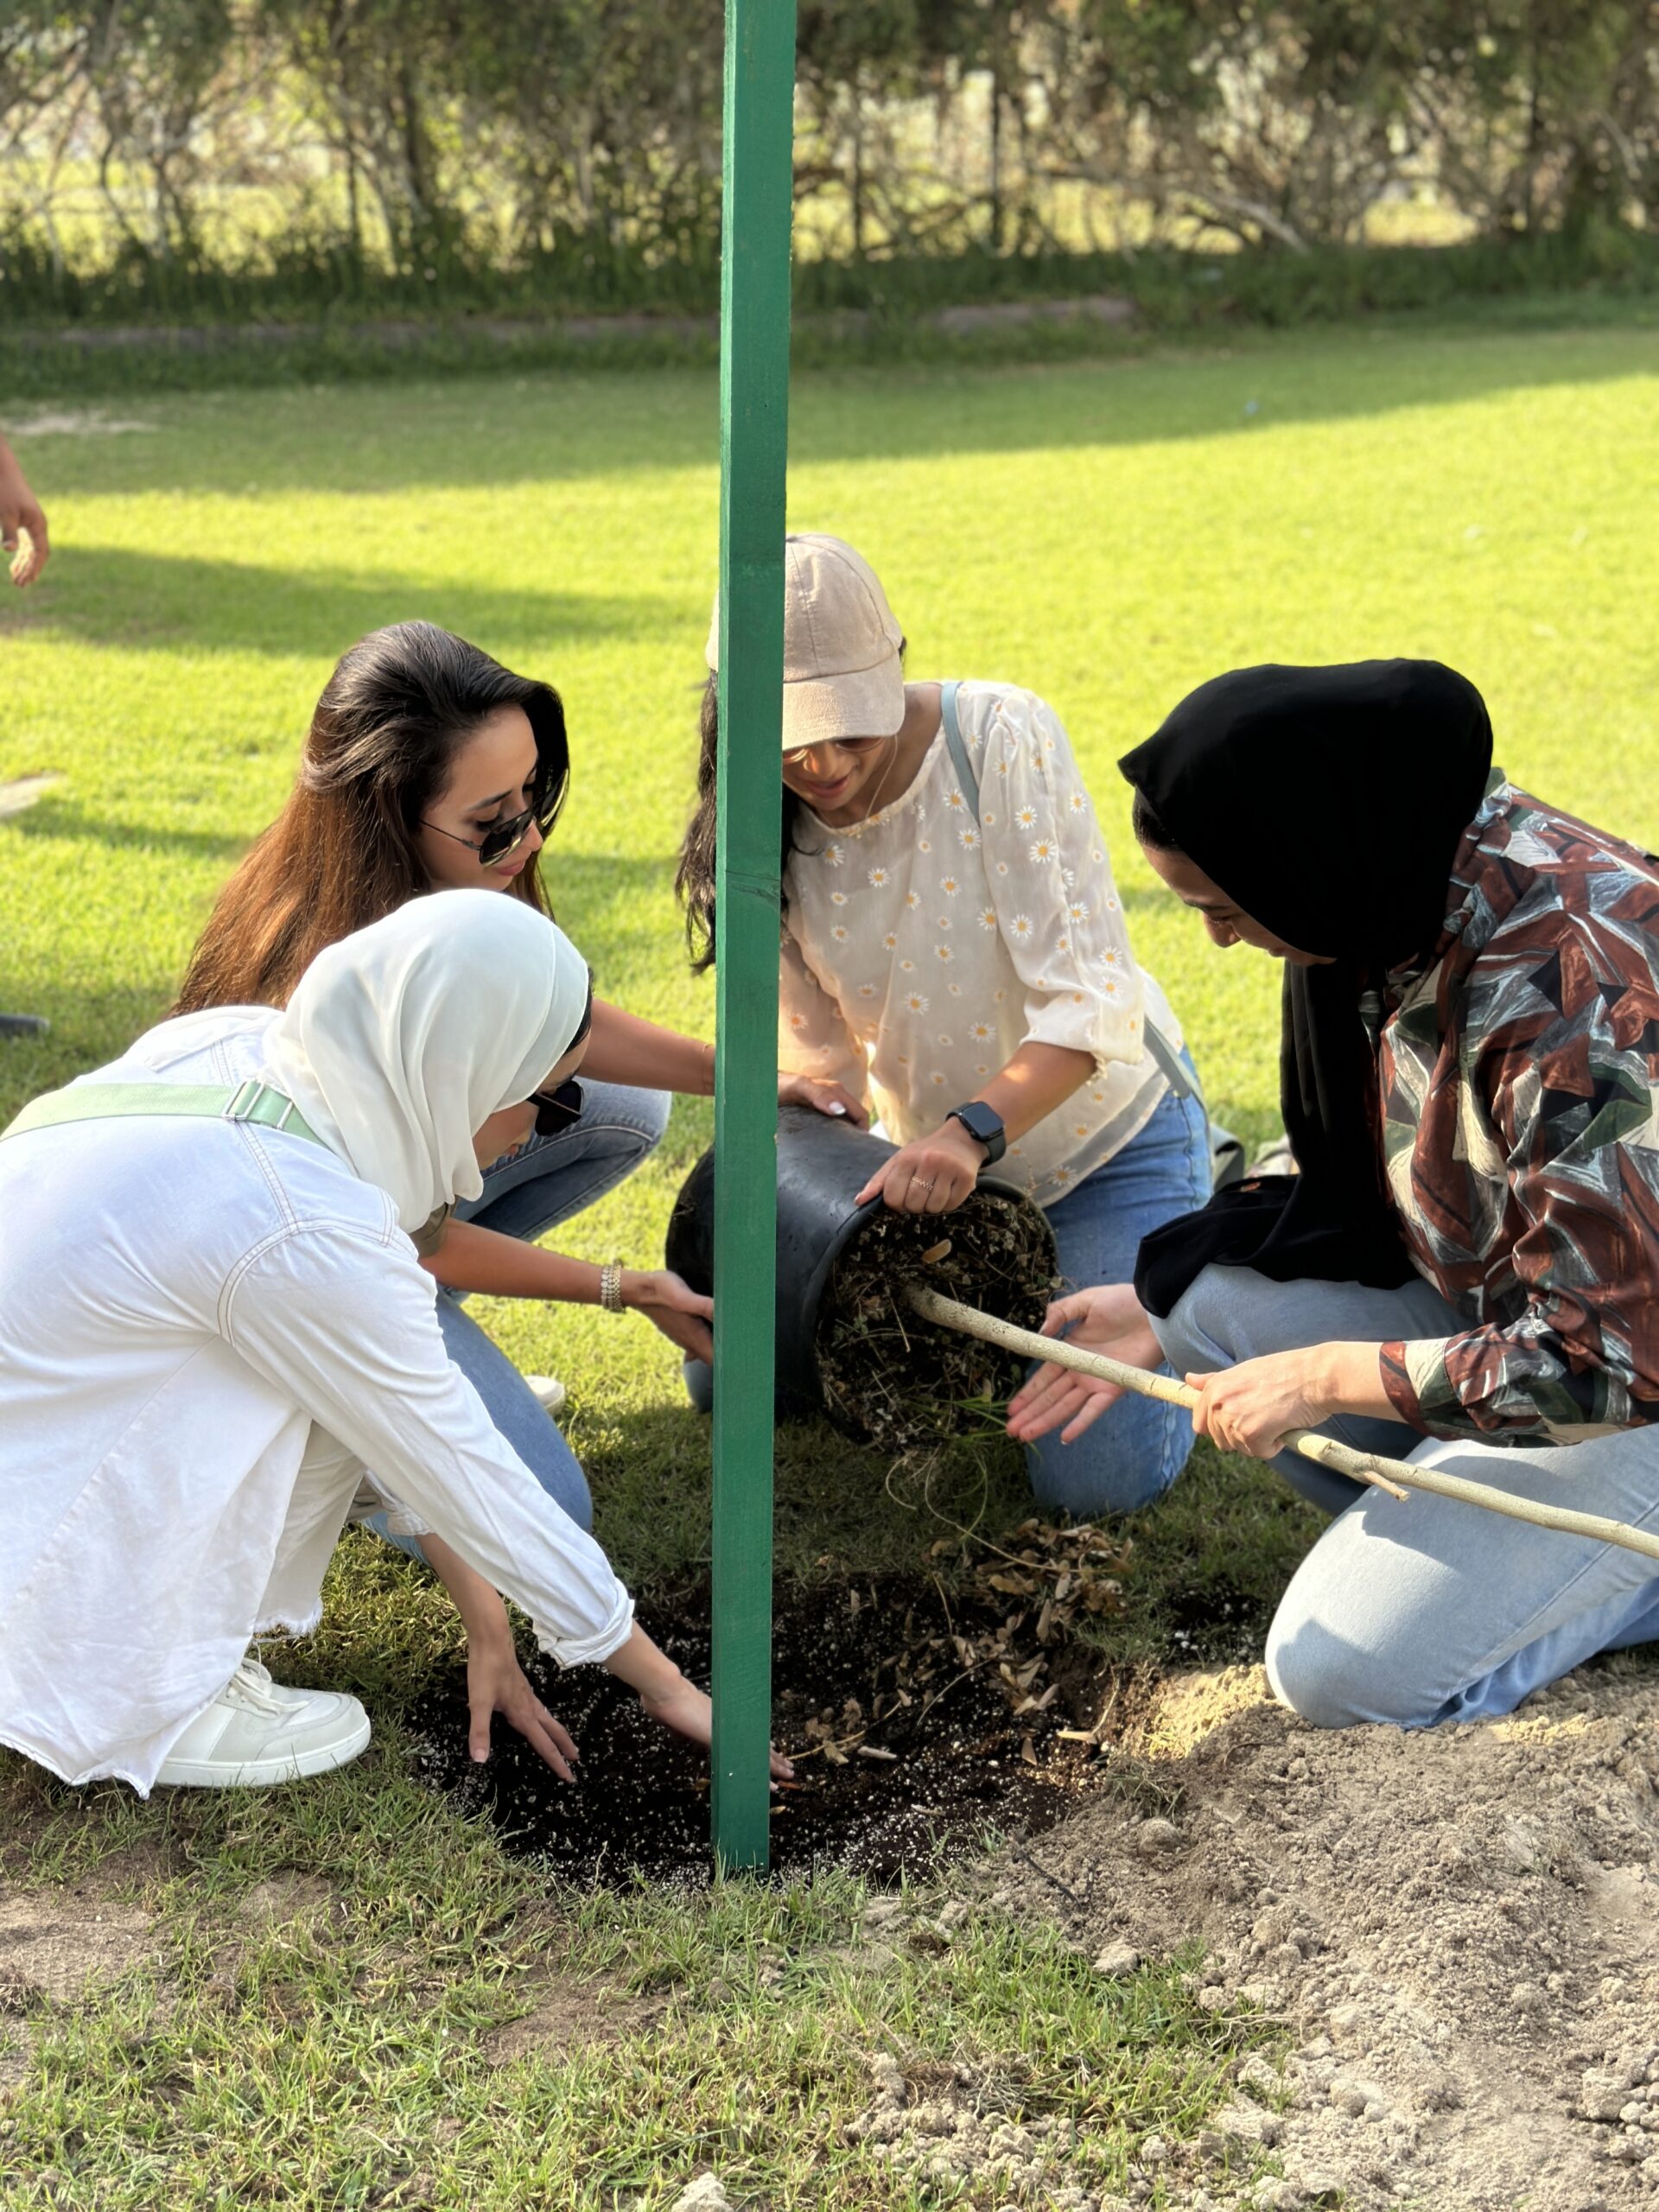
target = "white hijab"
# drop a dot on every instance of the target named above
(405, 1037)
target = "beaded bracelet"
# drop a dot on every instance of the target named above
(610, 1287)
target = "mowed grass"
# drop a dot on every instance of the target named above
(1110, 535)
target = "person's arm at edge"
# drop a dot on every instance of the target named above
(21, 509)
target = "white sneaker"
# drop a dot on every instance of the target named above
(548, 1390)
(256, 1732)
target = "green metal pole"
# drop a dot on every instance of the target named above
(753, 457)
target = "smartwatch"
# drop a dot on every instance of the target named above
(984, 1122)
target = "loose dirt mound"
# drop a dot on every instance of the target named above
(1461, 1928)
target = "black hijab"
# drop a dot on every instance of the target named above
(1328, 802)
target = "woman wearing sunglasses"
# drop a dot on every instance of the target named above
(428, 766)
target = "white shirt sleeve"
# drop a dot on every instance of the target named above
(1056, 906)
(813, 1038)
(343, 1322)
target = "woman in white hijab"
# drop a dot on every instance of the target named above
(213, 1320)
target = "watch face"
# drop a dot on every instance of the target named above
(983, 1123)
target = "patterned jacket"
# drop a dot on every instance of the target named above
(1520, 1097)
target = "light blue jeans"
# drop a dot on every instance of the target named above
(1426, 1610)
(542, 1184)
(1133, 1453)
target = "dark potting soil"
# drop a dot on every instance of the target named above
(902, 1383)
(1214, 1623)
(884, 1667)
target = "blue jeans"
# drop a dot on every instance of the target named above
(544, 1183)
(1133, 1453)
(1426, 1610)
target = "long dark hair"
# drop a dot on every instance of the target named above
(694, 879)
(342, 852)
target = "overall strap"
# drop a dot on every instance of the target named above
(957, 750)
(101, 1102)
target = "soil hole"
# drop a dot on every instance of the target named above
(918, 1721)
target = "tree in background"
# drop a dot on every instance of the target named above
(572, 146)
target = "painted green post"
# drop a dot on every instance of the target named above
(753, 456)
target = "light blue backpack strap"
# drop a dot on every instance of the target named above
(954, 746)
(1170, 1065)
(102, 1102)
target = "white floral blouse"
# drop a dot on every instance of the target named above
(925, 945)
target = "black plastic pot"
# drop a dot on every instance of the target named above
(822, 1162)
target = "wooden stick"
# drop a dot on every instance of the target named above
(1396, 1476)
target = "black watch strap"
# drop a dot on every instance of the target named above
(984, 1122)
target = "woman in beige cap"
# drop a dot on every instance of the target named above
(954, 954)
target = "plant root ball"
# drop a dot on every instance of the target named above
(893, 1380)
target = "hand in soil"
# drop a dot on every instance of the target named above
(497, 1683)
(689, 1713)
(679, 1311)
(931, 1175)
(824, 1096)
(1108, 1320)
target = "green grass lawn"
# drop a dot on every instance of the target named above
(1110, 534)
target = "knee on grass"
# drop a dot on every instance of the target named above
(1117, 1490)
(1126, 1461)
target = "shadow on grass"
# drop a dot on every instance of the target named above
(148, 601)
(839, 1509)
(63, 818)
(484, 429)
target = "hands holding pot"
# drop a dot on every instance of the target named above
(930, 1174)
(666, 1300)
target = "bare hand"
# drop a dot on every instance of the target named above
(831, 1098)
(20, 511)
(1250, 1407)
(497, 1683)
(929, 1175)
(689, 1713)
(1108, 1320)
(678, 1310)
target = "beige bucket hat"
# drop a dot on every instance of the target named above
(842, 675)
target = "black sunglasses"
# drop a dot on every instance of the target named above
(500, 840)
(557, 1109)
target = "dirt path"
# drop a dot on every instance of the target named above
(1461, 1929)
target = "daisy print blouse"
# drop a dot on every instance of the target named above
(926, 945)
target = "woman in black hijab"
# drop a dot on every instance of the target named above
(1471, 1250)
